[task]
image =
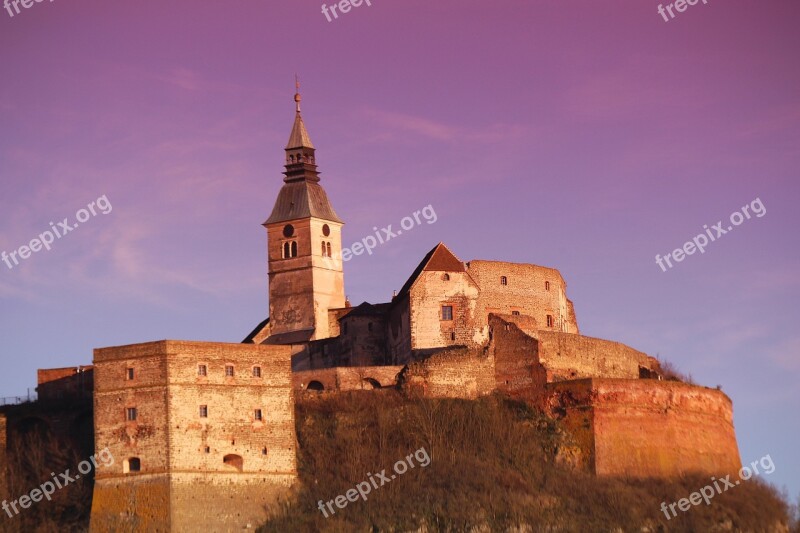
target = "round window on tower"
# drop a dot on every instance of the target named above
(288, 230)
(326, 230)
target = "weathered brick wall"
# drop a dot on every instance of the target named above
(526, 292)
(65, 383)
(452, 373)
(225, 503)
(399, 331)
(650, 428)
(348, 378)
(230, 427)
(3, 457)
(568, 356)
(302, 289)
(146, 437)
(136, 504)
(517, 371)
(171, 438)
(365, 340)
(427, 296)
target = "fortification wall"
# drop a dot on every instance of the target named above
(452, 373)
(517, 371)
(530, 290)
(233, 503)
(65, 383)
(649, 428)
(223, 445)
(347, 378)
(140, 503)
(3, 458)
(569, 356)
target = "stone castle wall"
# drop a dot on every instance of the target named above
(451, 373)
(4, 495)
(434, 289)
(347, 378)
(192, 465)
(568, 356)
(648, 428)
(530, 290)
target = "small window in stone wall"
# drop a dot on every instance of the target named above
(203, 411)
(446, 277)
(515, 313)
(256, 371)
(503, 280)
(130, 374)
(131, 414)
(549, 321)
(235, 461)
(263, 451)
(202, 370)
(208, 449)
(229, 371)
(547, 285)
(447, 312)
(452, 335)
(131, 464)
(258, 415)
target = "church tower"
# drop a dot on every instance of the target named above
(304, 241)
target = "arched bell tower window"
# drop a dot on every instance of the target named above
(289, 249)
(328, 246)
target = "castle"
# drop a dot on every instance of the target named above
(204, 432)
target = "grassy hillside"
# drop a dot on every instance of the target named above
(492, 465)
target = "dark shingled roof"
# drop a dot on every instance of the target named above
(256, 331)
(440, 259)
(367, 309)
(301, 199)
(301, 336)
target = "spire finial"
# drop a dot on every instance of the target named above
(297, 97)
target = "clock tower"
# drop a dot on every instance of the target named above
(304, 242)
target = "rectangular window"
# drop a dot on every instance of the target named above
(256, 371)
(202, 370)
(447, 312)
(203, 411)
(547, 285)
(229, 370)
(130, 414)
(258, 414)
(503, 280)
(130, 374)
(549, 321)
(515, 312)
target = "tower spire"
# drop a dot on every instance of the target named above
(297, 96)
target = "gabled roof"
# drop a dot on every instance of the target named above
(302, 199)
(440, 259)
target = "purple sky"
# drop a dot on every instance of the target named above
(582, 135)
